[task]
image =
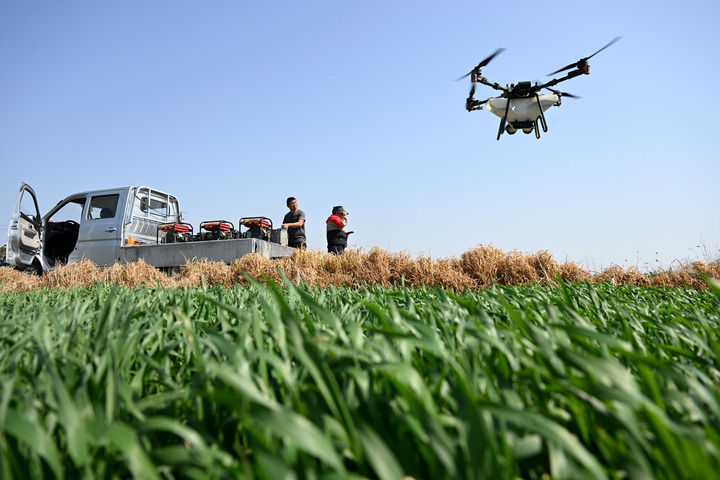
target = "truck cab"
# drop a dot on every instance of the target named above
(88, 225)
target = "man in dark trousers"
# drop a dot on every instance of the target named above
(336, 234)
(294, 222)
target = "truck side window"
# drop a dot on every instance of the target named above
(103, 206)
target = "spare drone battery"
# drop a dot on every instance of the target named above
(279, 235)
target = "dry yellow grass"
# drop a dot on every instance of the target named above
(12, 280)
(476, 268)
(691, 275)
(619, 276)
(136, 274)
(572, 272)
(483, 264)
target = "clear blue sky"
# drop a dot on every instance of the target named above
(233, 106)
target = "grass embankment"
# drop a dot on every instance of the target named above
(571, 381)
(477, 268)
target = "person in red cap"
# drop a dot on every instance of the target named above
(336, 234)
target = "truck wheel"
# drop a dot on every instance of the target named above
(35, 269)
(170, 271)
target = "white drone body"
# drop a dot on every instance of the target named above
(522, 110)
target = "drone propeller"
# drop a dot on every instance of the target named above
(482, 64)
(581, 63)
(562, 94)
(472, 94)
(472, 104)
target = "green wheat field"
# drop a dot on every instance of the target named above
(576, 380)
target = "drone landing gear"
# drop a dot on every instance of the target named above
(504, 119)
(541, 117)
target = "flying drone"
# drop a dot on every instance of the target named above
(521, 106)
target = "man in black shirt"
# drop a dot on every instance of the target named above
(294, 222)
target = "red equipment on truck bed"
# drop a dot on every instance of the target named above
(257, 227)
(175, 232)
(263, 222)
(216, 230)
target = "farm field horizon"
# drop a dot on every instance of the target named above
(479, 267)
(565, 380)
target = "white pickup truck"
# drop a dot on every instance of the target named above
(116, 225)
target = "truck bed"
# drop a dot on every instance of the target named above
(178, 254)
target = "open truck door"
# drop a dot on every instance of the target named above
(24, 247)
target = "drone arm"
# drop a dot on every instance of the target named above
(495, 85)
(471, 104)
(555, 81)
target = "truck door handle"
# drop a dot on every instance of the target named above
(111, 229)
